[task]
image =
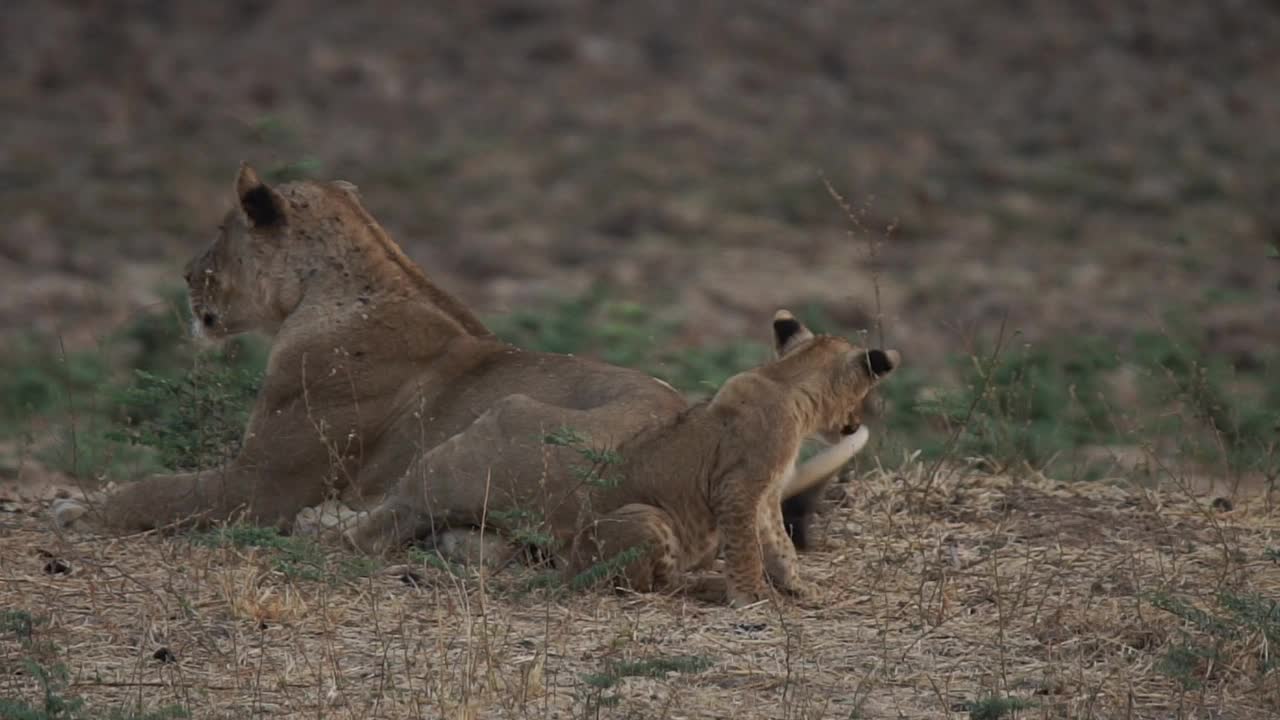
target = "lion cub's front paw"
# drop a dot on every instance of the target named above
(804, 592)
(742, 597)
(72, 514)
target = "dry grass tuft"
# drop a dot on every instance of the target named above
(985, 595)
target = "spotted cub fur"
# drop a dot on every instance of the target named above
(714, 479)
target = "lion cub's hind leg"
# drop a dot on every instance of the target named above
(636, 542)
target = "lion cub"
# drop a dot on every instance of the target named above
(714, 479)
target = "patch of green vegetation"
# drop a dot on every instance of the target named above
(1034, 406)
(20, 623)
(995, 707)
(305, 168)
(654, 667)
(626, 334)
(194, 421)
(143, 401)
(90, 448)
(1206, 634)
(524, 527)
(433, 559)
(620, 333)
(297, 558)
(597, 460)
(53, 700)
(147, 400)
(613, 673)
(607, 569)
(701, 370)
(38, 378)
(53, 704)
(1239, 410)
(1026, 408)
(1186, 663)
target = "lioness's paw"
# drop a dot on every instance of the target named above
(72, 514)
(361, 540)
(327, 521)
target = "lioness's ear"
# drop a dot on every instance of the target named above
(877, 363)
(258, 201)
(788, 332)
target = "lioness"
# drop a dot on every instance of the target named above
(373, 369)
(712, 478)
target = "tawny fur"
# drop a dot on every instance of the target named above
(376, 378)
(716, 476)
(372, 369)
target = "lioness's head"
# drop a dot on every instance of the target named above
(837, 373)
(252, 276)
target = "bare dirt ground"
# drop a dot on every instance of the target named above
(1082, 167)
(1079, 168)
(936, 599)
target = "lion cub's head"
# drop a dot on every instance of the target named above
(835, 374)
(253, 274)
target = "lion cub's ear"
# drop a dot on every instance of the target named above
(260, 204)
(877, 363)
(788, 332)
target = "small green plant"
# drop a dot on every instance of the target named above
(608, 568)
(614, 672)
(661, 666)
(994, 707)
(1030, 406)
(176, 409)
(19, 623)
(38, 378)
(294, 557)
(597, 459)
(621, 333)
(55, 702)
(194, 421)
(626, 334)
(1247, 621)
(525, 527)
(433, 559)
(304, 168)
(1186, 663)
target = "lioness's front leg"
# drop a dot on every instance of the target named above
(190, 498)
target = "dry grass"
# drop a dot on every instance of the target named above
(988, 586)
